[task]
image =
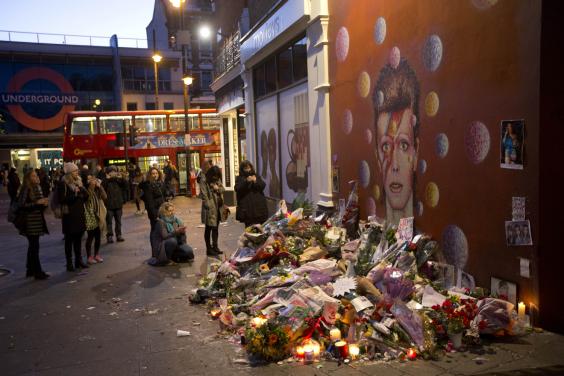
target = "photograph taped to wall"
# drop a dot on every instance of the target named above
(504, 290)
(512, 144)
(336, 179)
(518, 233)
(518, 208)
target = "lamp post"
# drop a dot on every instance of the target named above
(157, 59)
(187, 82)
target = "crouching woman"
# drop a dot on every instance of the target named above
(168, 238)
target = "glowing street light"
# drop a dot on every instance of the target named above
(187, 81)
(205, 32)
(157, 59)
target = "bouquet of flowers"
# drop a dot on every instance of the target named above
(454, 316)
(270, 341)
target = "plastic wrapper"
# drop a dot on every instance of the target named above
(405, 262)
(365, 287)
(312, 253)
(410, 321)
(496, 314)
(425, 249)
(396, 285)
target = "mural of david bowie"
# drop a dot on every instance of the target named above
(396, 108)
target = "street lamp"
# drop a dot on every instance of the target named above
(157, 59)
(187, 81)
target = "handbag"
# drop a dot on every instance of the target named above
(225, 213)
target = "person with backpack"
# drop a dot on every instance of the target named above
(72, 196)
(114, 186)
(31, 205)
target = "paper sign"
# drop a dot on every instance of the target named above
(405, 229)
(361, 303)
(518, 208)
(524, 267)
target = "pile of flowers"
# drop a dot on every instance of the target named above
(455, 315)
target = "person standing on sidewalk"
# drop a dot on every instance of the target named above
(251, 203)
(72, 196)
(32, 203)
(154, 194)
(211, 192)
(13, 184)
(95, 213)
(114, 186)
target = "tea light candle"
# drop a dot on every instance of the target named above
(411, 354)
(300, 352)
(308, 353)
(215, 313)
(354, 350)
(341, 349)
(258, 321)
(316, 350)
(335, 334)
(521, 309)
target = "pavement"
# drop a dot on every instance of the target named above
(121, 317)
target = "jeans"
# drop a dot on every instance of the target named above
(114, 214)
(73, 241)
(33, 264)
(93, 235)
(214, 232)
(178, 252)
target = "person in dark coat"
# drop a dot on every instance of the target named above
(44, 182)
(211, 192)
(32, 203)
(114, 186)
(251, 203)
(13, 184)
(73, 195)
(168, 239)
(95, 214)
(154, 194)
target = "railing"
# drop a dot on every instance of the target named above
(69, 39)
(229, 54)
(148, 86)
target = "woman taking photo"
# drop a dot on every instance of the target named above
(251, 203)
(169, 238)
(95, 213)
(72, 196)
(31, 203)
(211, 191)
(154, 194)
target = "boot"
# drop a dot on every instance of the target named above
(217, 250)
(110, 239)
(79, 264)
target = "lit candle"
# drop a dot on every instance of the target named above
(521, 309)
(354, 350)
(215, 313)
(335, 334)
(341, 349)
(299, 352)
(258, 322)
(316, 350)
(411, 354)
(308, 354)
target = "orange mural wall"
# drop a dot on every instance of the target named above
(476, 64)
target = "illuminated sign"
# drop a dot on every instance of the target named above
(50, 158)
(14, 98)
(115, 161)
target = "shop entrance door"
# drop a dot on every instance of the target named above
(184, 169)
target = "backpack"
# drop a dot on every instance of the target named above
(55, 205)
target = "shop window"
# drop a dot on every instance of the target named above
(299, 59)
(150, 105)
(168, 106)
(150, 123)
(270, 75)
(259, 81)
(131, 106)
(285, 68)
(206, 80)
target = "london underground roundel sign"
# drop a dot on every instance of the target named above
(14, 99)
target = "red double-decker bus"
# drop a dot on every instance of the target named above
(145, 138)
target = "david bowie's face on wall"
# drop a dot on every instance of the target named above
(397, 156)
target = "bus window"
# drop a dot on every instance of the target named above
(82, 126)
(210, 121)
(113, 124)
(150, 123)
(177, 122)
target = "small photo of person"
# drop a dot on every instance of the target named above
(512, 144)
(504, 290)
(518, 233)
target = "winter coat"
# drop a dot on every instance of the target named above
(251, 203)
(35, 224)
(95, 207)
(114, 188)
(211, 202)
(74, 219)
(13, 185)
(154, 194)
(160, 234)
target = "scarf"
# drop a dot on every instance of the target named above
(170, 222)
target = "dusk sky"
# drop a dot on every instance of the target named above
(126, 18)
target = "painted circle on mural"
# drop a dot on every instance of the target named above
(347, 121)
(395, 57)
(376, 192)
(432, 195)
(342, 44)
(363, 84)
(455, 246)
(419, 208)
(17, 83)
(380, 30)
(364, 174)
(368, 136)
(431, 104)
(477, 142)
(422, 166)
(484, 4)
(441, 145)
(370, 206)
(432, 52)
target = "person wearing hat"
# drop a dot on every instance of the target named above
(114, 186)
(72, 196)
